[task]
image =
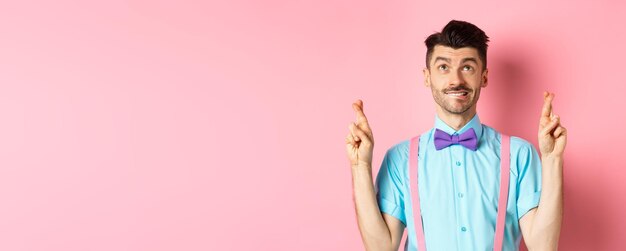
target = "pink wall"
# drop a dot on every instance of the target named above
(186, 125)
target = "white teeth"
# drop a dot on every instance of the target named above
(456, 94)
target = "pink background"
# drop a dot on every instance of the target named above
(187, 125)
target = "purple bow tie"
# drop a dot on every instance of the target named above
(466, 139)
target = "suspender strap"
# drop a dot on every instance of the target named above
(502, 202)
(415, 197)
(504, 190)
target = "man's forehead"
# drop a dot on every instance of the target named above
(454, 54)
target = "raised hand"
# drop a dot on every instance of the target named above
(360, 140)
(552, 135)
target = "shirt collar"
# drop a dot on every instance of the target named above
(473, 123)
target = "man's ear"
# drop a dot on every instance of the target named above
(485, 78)
(426, 77)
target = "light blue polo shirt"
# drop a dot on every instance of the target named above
(459, 189)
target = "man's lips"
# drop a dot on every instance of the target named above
(457, 94)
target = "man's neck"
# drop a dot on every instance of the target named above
(456, 121)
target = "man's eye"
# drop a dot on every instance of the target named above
(443, 67)
(467, 68)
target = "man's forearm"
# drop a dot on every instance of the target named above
(546, 226)
(374, 230)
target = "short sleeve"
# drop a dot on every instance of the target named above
(389, 184)
(528, 178)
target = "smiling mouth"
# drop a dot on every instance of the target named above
(457, 93)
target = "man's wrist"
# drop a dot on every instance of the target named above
(361, 167)
(552, 172)
(552, 158)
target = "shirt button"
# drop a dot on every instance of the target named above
(460, 195)
(463, 229)
(458, 163)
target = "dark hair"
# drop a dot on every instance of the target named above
(459, 34)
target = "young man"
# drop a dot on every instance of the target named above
(459, 182)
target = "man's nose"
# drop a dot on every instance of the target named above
(456, 78)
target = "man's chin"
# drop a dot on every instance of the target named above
(458, 110)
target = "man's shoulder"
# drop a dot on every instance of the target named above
(517, 143)
(400, 150)
(520, 142)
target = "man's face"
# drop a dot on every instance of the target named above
(455, 78)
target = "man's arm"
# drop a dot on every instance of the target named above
(541, 227)
(378, 231)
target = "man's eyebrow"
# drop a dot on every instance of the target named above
(442, 58)
(472, 59)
